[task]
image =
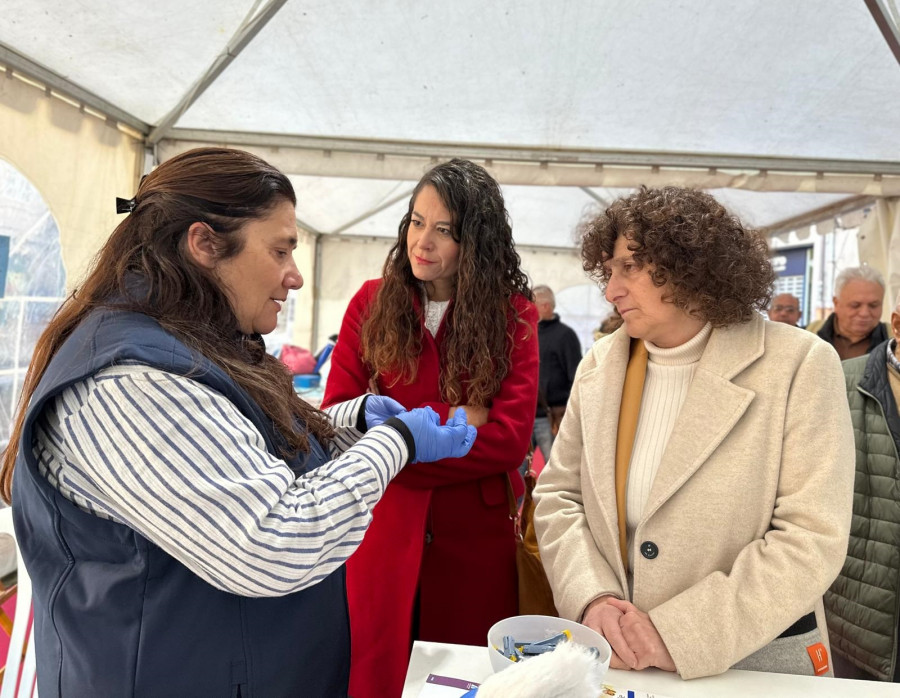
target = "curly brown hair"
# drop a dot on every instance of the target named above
(476, 352)
(716, 269)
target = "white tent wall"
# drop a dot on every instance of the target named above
(576, 293)
(78, 162)
(346, 262)
(879, 246)
(305, 298)
(558, 269)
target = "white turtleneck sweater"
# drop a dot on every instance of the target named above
(669, 376)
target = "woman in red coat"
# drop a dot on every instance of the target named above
(451, 323)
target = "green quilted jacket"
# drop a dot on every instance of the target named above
(863, 604)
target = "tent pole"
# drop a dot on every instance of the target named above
(56, 82)
(853, 203)
(556, 249)
(244, 35)
(368, 214)
(595, 196)
(316, 274)
(888, 25)
(543, 160)
(316, 294)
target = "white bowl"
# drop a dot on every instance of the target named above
(535, 628)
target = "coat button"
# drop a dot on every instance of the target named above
(649, 549)
(428, 538)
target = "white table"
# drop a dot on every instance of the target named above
(472, 664)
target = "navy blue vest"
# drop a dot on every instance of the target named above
(115, 615)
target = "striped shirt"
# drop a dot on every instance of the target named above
(177, 462)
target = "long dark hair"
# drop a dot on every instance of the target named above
(479, 337)
(144, 267)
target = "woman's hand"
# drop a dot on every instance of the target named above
(435, 441)
(605, 618)
(642, 636)
(477, 416)
(379, 409)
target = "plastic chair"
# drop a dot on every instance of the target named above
(21, 640)
(323, 355)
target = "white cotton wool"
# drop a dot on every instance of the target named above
(570, 671)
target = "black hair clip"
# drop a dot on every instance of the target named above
(125, 205)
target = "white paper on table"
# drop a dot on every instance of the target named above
(611, 692)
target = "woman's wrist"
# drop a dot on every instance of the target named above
(599, 601)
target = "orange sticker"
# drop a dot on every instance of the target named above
(819, 656)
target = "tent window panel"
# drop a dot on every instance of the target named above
(33, 279)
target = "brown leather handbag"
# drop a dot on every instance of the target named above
(535, 595)
(555, 415)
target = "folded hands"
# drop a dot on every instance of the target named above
(635, 641)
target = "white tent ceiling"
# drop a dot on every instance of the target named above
(354, 99)
(537, 213)
(534, 211)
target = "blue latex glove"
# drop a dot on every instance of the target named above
(433, 441)
(379, 409)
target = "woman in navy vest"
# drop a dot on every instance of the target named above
(185, 518)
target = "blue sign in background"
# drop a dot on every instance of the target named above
(790, 262)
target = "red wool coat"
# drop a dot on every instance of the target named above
(441, 543)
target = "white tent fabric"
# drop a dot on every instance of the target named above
(541, 216)
(879, 246)
(780, 78)
(142, 57)
(77, 162)
(785, 110)
(763, 77)
(795, 80)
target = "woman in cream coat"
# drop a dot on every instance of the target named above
(735, 455)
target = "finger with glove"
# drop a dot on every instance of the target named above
(434, 441)
(378, 409)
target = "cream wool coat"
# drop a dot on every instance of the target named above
(750, 508)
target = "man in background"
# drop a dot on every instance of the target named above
(785, 308)
(560, 353)
(864, 601)
(854, 328)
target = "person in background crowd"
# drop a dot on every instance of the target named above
(560, 352)
(785, 308)
(863, 604)
(183, 515)
(450, 323)
(855, 326)
(683, 513)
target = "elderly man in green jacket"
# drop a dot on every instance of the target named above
(863, 604)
